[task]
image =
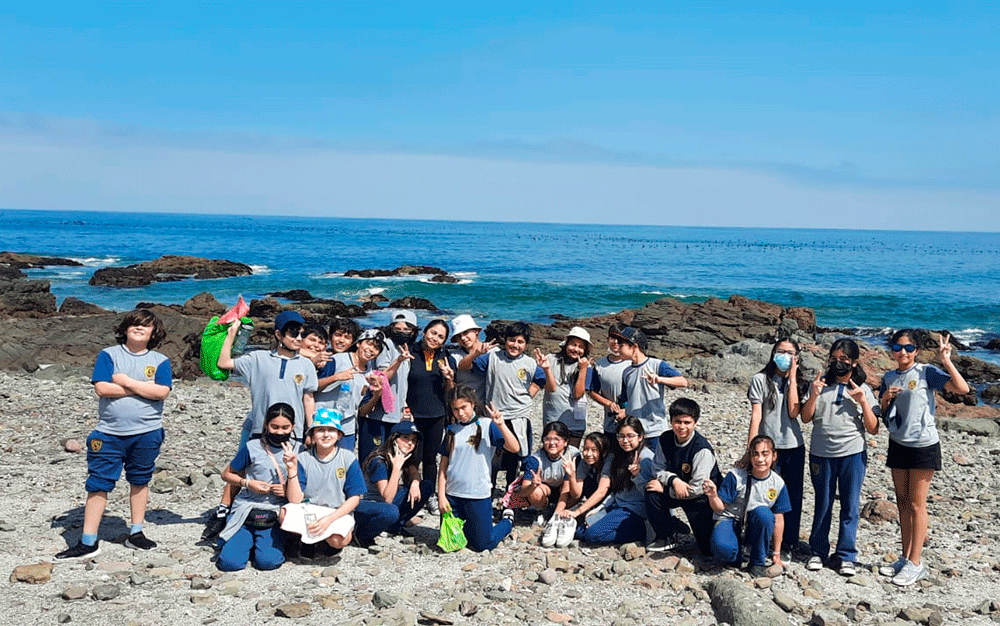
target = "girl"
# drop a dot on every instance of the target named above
(464, 472)
(581, 491)
(431, 376)
(465, 334)
(607, 383)
(625, 478)
(394, 361)
(333, 479)
(251, 532)
(567, 378)
(395, 491)
(907, 401)
(754, 497)
(774, 411)
(545, 472)
(348, 373)
(841, 404)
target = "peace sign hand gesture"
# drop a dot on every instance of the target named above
(818, 384)
(495, 415)
(541, 360)
(944, 347)
(857, 394)
(404, 354)
(290, 458)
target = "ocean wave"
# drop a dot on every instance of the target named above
(428, 278)
(93, 261)
(260, 269)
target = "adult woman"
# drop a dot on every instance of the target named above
(907, 401)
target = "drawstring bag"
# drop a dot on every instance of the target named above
(212, 339)
(452, 538)
(512, 498)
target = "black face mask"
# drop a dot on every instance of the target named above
(276, 439)
(839, 368)
(399, 338)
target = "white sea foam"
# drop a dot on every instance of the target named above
(260, 269)
(93, 261)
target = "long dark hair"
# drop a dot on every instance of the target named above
(432, 324)
(601, 443)
(621, 477)
(769, 370)
(141, 317)
(410, 469)
(463, 392)
(850, 348)
(744, 462)
(560, 429)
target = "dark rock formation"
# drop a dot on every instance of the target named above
(402, 270)
(21, 260)
(168, 268)
(10, 272)
(203, 305)
(76, 306)
(412, 302)
(444, 278)
(26, 298)
(296, 295)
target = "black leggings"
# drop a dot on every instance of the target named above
(431, 435)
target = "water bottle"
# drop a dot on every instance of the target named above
(342, 406)
(242, 336)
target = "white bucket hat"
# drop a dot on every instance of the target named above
(579, 333)
(463, 323)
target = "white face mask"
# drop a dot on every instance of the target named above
(783, 361)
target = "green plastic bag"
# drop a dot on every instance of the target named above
(212, 339)
(452, 538)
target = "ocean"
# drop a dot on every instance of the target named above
(867, 281)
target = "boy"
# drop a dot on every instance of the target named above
(512, 381)
(394, 360)
(281, 375)
(684, 461)
(643, 382)
(341, 367)
(132, 382)
(465, 333)
(343, 333)
(607, 383)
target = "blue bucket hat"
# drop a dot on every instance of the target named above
(327, 418)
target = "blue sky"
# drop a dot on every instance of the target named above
(756, 114)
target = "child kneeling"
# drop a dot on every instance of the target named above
(752, 497)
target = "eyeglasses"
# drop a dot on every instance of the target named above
(899, 347)
(627, 436)
(552, 440)
(788, 352)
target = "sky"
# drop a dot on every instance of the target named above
(859, 115)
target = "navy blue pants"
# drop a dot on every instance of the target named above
(757, 535)
(479, 528)
(265, 548)
(791, 467)
(619, 525)
(371, 433)
(698, 512)
(830, 476)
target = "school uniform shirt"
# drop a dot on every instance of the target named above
(256, 460)
(692, 461)
(838, 424)
(468, 473)
(633, 497)
(273, 378)
(768, 492)
(775, 422)
(470, 377)
(551, 471)
(507, 383)
(644, 399)
(590, 475)
(331, 482)
(131, 414)
(607, 381)
(558, 405)
(398, 384)
(328, 396)
(910, 417)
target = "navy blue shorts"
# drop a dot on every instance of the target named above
(107, 454)
(906, 457)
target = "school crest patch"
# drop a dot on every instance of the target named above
(912, 385)
(96, 445)
(341, 472)
(522, 374)
(772, 494)
(150, 371)
(299, 378)
(377, 440)
(685, 468)
(472, 440)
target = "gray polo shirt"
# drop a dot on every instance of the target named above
(273, 378)
(838, 424)
(775, 423)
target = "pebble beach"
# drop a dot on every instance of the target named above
(408, 580)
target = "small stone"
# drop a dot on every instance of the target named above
(33, 574)
(329, 601)
(72, 445)
(230, 587)
(202, 598)
(914, 614)
(762, 582)
(558, 618)
(685, 566)
(961, 459)
(75, 592)
(293, 610)
(936, 618)
(548, 576)
(633, 551)
(7, 527)
(383, 600)
(784, 601)
(106, 592)
(199, 583)
(467, 608)
(435, 619)
(826, 617)
(813, 594)
(63, 618)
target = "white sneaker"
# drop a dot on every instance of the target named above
(895, 568)
(567, 530)
(814, 564)
(909, 574)
(847, 569)
(551, 532)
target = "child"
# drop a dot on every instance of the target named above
(314, 345)
(755, 498)
(343, 333)
(643, 382)
(774, 411)
(131, 380)
(512, 381)
(684, 461)
(607, 382)
(567, 380)
(907, 401)
(464, 471)
(252, 532)
(281, 375)
(545, 470)
(351, 367)
(625, 478)
(395, 492)
(582, 490)
(841, 404)
(394, 361)
(465, 333)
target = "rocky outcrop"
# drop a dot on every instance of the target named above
(297, 295)
(21, 260)
(26, 298)
(412, 302)
(402, 270)
(76, 306)
(9, 272)
(168, 268)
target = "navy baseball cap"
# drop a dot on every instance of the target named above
(285, 318)
(632, 335)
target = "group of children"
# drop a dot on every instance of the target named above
(297, 486)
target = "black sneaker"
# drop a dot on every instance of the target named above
(213, 527)
(758, 571)
(80, 551)
(138, 541)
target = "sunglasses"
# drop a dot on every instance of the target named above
(899, 347)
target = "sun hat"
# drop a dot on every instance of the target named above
(285, 318)
(579, 333)
(632, 335)
(461, 324)
(371, 333)
(405, 316)
(328, 418)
